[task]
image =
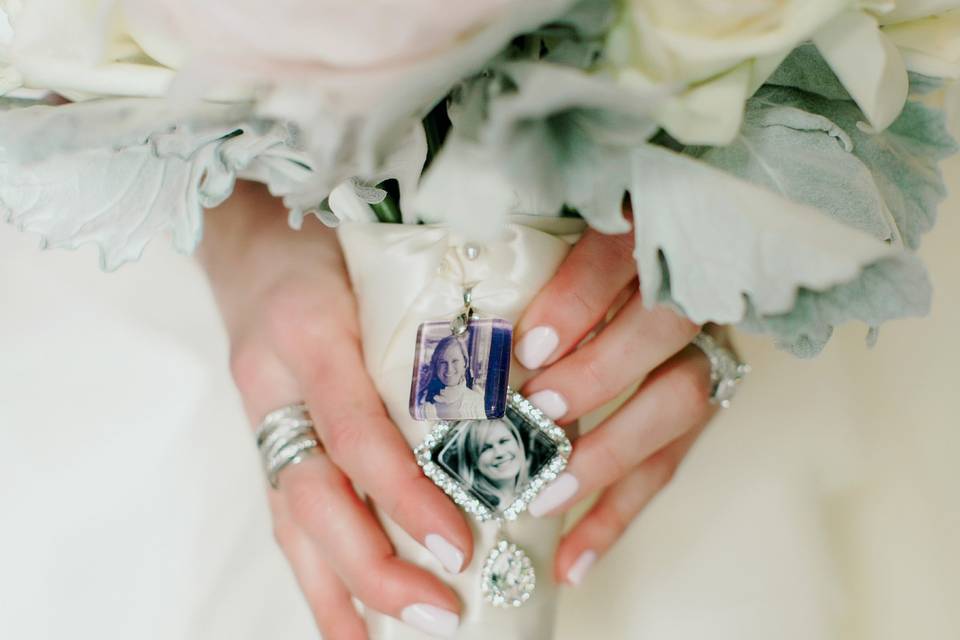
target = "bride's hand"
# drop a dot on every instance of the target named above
(633, 454)
(290, 314)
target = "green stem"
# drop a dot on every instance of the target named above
(435, 125)
(387, 210)
(434, 137)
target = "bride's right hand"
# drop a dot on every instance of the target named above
(290, 313)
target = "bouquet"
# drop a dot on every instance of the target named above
(778, 158)
(777, 161)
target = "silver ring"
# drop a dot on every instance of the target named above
(726, 371)
(286, 436)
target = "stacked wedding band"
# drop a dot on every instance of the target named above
(285, 437)
(726, 371)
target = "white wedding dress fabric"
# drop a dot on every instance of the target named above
(822, 505)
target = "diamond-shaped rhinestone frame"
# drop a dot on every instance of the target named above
(451, 486)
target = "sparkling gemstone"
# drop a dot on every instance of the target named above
(508, 577)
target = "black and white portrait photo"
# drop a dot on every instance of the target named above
(461, 377)
(494, 460)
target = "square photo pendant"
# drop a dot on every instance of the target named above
(494, 468)
(461, 377)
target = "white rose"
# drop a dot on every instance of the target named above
(871, 47)
(353, 74)
(354, 54)
(929, 45)
(79, 48)
(718, 51)
(908, 10)
(333, 34)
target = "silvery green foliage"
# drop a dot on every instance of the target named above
(820, 168)
(39, 131)
(902, 160)
(757, 242)
(806, 69)
(889, 289)
(576, 39)
(921, 85)
(811, 146)
(537, 133)
(587, 20)
(118, 172)
(542, 137)
(803, 222)
(567, 134)
(726, 242)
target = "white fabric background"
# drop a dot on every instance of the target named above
(824, 505)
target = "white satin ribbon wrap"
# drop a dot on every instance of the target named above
(404, 275)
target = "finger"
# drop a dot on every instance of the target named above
(328, 598)
(673, 400)
(266, 383)
(576, 298)
(361, 439)
(633, 344)
(615, 509)
(322, 503)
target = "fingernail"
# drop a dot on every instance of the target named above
(449, 556)
(579, 568)
(430, 619)
(550, 402)
(536, 346)
(554, 495)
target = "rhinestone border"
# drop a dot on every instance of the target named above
(536, 420)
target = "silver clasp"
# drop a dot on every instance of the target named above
(459, 325)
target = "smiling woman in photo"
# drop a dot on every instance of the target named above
(492, 460)
(449, 392)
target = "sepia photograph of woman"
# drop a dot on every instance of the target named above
(449, 392)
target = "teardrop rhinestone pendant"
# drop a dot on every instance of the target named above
(508, 578)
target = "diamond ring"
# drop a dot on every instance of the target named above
(726, 371)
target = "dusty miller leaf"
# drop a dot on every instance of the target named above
(542, 137)
(815, 150)
(119, 192)
(903, 158)
(806, 158)
(806, 69)
(726, 241)
(890, 289)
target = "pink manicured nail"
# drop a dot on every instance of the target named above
(579, 568)
(449, 556)
(550, 402)
(536, 346)
(554, 495)
(430, 619)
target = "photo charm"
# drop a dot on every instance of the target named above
(493, 469)
(460, 372)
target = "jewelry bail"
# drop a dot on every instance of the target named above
(459, 325)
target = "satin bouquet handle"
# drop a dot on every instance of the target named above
(404, 275)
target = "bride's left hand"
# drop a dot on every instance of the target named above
(633, 454)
